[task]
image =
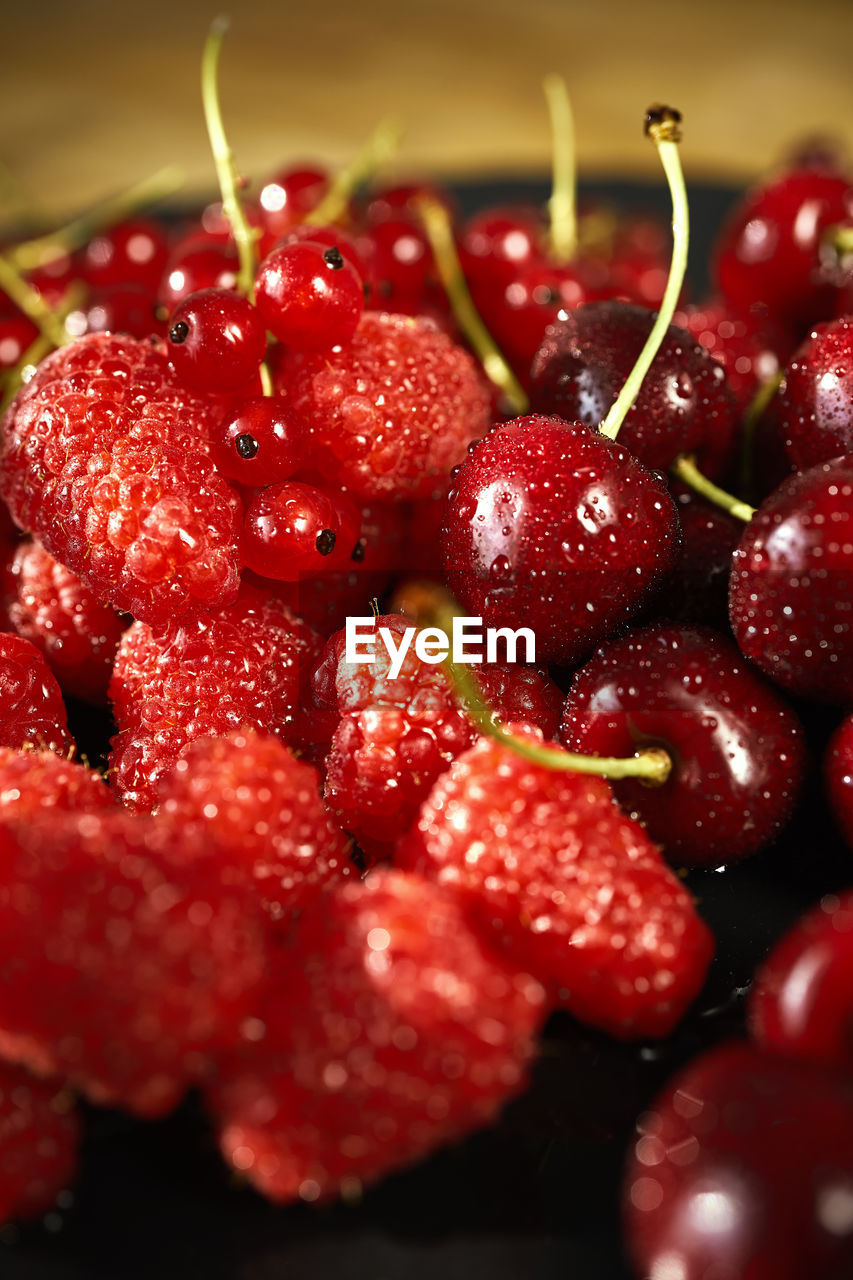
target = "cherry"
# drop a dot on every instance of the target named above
(737, 750)
(683, 406)
(742, 345)
(294, 530)
(769, 248)
(838, 770)
(816, 400)
(17, 334)
(199, 264)
(216, 340)
(743, 1168)
(801, 1003)
(792, 584)
(309, 296)
(259, 443)
(699, 588)
(134, 252)
(551, 525)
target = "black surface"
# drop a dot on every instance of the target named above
(534, 1198)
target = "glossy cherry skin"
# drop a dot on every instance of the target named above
(293, 531)
(801, 1003)
(769, 249)
(552, 526)
(199, 263)
(217, 340)
(791, 589)
(737, 751)
(698, 590)
(309, 296)
(747, 352)
(838, 772)
(742, 1170)
(260, 443)
(683, 406)
(816, 401)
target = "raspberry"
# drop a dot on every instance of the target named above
(551, 870)
(106, 458)
(394, 410)
(124, 960)
(242, 666)
(50, 606)
(262, 806)
(34, 781)
(39, 1133)
(33, 713)
(397, 736)
(399, 1034)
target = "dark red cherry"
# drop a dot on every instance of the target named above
(217, 340)
(134, 252)
(769, 249)
(121, 309)
(293, 531)
(838, 771)
(552, 526)
(743, 1170)
(494, 246)
(17, 334)
(791, 592)
(683, 406)
(259, 443)
(698, 590)
(309, 296)
(741, 344)
(737, 750)
(801, 1002)
(518, 319)
(198, 264)
(816, 401)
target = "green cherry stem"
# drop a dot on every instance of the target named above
(562, 206)
(685, 469)
(439, 232)
(662, 126)
(375, 153)
(223, 158)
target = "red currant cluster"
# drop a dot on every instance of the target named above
(340, 897)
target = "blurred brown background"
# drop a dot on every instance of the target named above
(97, 93)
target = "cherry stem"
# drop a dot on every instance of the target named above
(375, 153)
(434, 607)
(30, 301)
(685, 469)
(754, 413)
(562, 208)
(439, 232)
(42, 250)
(662, 127)
(266, 380)
(223, 158)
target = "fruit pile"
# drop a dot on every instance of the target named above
(338, 898)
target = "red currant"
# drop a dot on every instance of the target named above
(197, 264)
(217, 340)
(17, 333)
(135, 252)
(260, 443)
(293, 530)
(288, 197)
(310, 297)
(332, 238)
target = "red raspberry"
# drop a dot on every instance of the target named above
(39, 1133)
(50, 606)
(263, 807)
(32, 712)
(124, 959)
(395, 737)
(399, 1033)
(394, 410)
(34, 781)
(106, 458)
(243, 666)
(551, 870)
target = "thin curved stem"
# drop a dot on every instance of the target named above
(30, 301)
(375, 153)
(223, 158)
(685, 468)
(562, 206)
(662, 127)
(439, 232)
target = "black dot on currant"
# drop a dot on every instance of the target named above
(246, 445)
(334, 258)
(358, 551)
(179, 332)
(325, 543)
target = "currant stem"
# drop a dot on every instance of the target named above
(754, 413)
(841, 240)
(41, 346)
(223, 158)
(439, 232)
(266, 380)
(42, 250)
(376, 152)
(562, 209)
(685, 469)
(30, 301)
(662, 127)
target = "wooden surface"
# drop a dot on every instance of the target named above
(97, 93)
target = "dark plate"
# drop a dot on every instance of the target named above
(533, 1198)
